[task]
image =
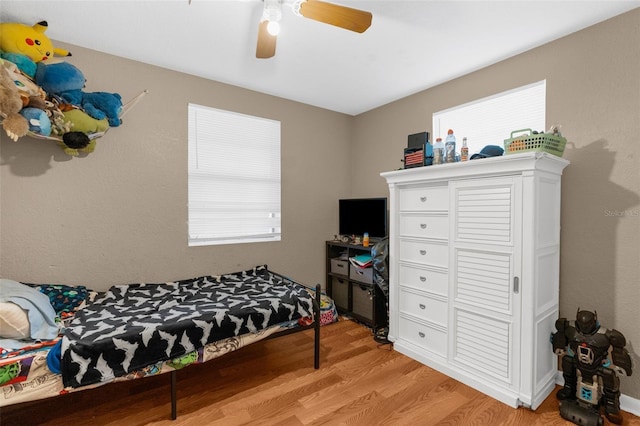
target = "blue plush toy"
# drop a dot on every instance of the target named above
(59, 77)
(67, 81)
(98, 105)
(39, 121)
(23, 62)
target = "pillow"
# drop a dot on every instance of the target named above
(14, 322)
(42, 317)
(65, 299)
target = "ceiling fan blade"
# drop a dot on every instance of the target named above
(266, 47)
(339, 16)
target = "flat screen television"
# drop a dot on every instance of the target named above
(360, 215)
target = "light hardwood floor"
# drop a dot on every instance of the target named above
(274, 383)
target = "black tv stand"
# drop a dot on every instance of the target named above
(353, 290)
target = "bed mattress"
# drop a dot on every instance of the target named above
(258, 304)
(132, 326)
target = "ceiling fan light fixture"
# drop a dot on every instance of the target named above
(272, 14)
(273, 27)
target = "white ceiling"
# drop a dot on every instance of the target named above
(410, 46)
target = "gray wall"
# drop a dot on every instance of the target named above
(119, 215)
(593, 91)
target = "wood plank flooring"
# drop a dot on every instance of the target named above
(273, 383)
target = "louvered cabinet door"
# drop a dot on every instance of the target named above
(484, 277)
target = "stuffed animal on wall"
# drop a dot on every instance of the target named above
(59, 77)
(83, 122)
(98, 105)
(37, 102)
(27, 88)
(24, 63)
(67, 81)
(45, 98)
(29, 41)
(59, 126)
(73, 143)
(38, 119)
(14, 124)
(77, 140)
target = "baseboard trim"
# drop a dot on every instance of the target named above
(630, 405)
(627, 403)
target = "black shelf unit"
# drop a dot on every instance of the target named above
(354, 291)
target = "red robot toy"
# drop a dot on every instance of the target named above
(590, 373)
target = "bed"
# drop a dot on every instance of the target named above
(140, 330)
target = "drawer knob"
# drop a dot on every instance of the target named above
(422, 306)
(423, 252)
(423, 278)
(423, 199)
(421, 334)
(423, 226)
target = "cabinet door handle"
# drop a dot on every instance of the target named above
(516, 285)
(423, 226)
(422, 306)
(421, 334)
(423, 278)
(423, 252)
(423, 199)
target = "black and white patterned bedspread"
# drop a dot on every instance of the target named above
(132, 326)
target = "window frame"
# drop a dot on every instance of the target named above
(234, 177)
(490, 120)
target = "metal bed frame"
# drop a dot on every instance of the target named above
(316, 341)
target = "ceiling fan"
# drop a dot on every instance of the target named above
(317, 10)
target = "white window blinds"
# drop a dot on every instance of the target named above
(234, 177)
(490, 120)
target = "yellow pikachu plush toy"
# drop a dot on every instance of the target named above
(28, 41)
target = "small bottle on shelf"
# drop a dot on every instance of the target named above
(450, 147)
(438, 151)
(365, 239)
(464, 151)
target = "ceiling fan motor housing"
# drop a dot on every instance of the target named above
(272, 10)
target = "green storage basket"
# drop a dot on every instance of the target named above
(541, 142)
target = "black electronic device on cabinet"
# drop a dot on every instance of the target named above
(357, 216)
(419, 151)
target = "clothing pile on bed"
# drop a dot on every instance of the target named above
(93, 338)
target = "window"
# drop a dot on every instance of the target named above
(234, 177)
(489, 121)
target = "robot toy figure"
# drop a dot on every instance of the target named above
(590, 379)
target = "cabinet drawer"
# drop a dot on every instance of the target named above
(424, 226)
(340, 266)
(426, 253)
(424, 280)
(423, 336)
(424, 307)
(364, 275)
(425, 199)
(363, 300)
(340, 292)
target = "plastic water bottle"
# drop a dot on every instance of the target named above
(428, 153)
(464, 151)
(438, 151)
(450, 148)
